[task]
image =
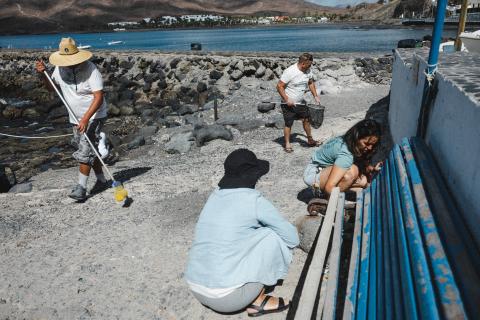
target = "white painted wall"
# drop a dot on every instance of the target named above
(453, 133)
(405, 97)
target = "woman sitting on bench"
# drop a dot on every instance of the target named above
(344, 161)
(241, 244)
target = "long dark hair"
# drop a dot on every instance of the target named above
(362, 129)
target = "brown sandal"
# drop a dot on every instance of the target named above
(311, 142)
(288, 150)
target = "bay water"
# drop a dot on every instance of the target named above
(305, 38)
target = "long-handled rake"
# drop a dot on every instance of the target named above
(120, 193)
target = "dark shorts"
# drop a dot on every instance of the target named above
(296, 112)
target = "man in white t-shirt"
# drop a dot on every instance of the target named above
(82, 87)
(294, 82)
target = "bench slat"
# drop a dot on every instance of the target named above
(361, 308)
(372, 281)
(446, 288)
(353, 274)
(423, 282)
(393, 262)
(312, 280)
(380, 278)
(403, 257)
(386, 290)
(334, 266)
(457, 240)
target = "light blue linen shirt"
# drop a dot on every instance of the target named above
(240, 237)
(333, 152)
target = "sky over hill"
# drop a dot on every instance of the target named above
(334, 3)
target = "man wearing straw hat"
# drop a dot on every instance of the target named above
(81, 85)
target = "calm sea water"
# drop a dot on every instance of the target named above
(319, 38)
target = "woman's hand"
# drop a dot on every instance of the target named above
(371, 171)
(378, 166)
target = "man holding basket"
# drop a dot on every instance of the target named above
(294, 82)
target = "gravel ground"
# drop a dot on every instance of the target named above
(97, 260)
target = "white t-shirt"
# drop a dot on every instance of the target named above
(77, 87)
(296, 82)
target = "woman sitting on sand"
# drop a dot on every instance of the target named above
(344, 161)
(241, 244)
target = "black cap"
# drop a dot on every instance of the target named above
(242, 170)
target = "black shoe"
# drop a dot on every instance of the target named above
(78, 193)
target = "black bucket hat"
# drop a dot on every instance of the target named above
(242, 170)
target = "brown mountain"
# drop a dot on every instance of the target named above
(37, 16)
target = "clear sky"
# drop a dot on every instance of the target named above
(334, 3)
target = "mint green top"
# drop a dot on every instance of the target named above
(333, 152)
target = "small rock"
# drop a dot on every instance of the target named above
(137, 142)
(113, 110)
(186, 109)
(179, 143)
(230, 119)
(54, 150)
(201, 87)
(126, 111)
(269, 75)
(265, 107)
(275, 121)
(215, 74)
(236, 75)
(174, 62)
(165, 138)
(148, 131)
(204, 134)
(307, 227)
(193, 120)
(260, 71)
(21, 188)
(30, 113)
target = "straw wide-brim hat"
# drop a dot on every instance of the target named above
(68, 54)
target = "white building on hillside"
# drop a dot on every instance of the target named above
(122, 24)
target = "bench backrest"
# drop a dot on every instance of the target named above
(412, 256)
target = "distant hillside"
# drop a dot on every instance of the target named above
(375, 11)
(36, 16)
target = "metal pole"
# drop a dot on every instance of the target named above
(461, 25)
(215, 107)
(428, 90)
(436, 37)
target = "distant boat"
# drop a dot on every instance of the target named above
(471, 40)
(119, 29)
(84, 47)
(111, 43)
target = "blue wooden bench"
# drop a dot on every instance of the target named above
(412, 255)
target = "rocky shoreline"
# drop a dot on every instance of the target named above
(97, 260)
(172, 92)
